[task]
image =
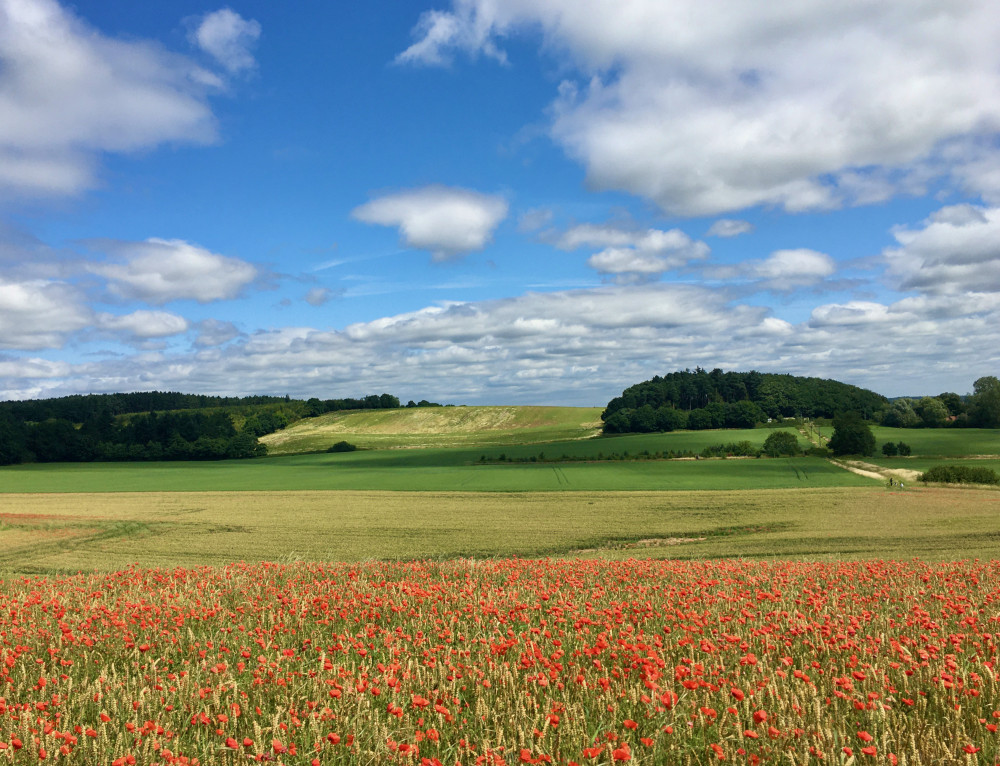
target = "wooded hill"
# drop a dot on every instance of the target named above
(156, 425)
(699, 400)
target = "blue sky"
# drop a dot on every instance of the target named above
(525, 202)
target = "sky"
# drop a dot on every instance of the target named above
(482, 202)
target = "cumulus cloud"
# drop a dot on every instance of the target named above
(574, 346)
(143, 324)
(801, 106)
(728, 227)
(789, 269)
(633, 255)
(38, 313)
(69, 93)
(957, 250)
(162, 270)
(446, 221)
(228, 38)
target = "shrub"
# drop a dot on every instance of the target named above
(781, 443)
(960, 474)
(904, 449)
(342, 447)
(889, 449)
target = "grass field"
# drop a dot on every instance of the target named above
(424, 470)
(437, 427)
(70, 532)
(941, 442)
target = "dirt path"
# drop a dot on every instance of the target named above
(876, 471)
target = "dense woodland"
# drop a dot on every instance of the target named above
(700, 400)
(156, 425)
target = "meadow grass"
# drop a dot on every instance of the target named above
(437, 427)
(941, 442)
(107, 531)
(424, 470)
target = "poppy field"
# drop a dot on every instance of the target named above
(504, 661)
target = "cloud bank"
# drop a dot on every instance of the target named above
(708, 108)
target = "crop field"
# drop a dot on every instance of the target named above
(425, 470)
(437, 427)
(505, 662)
(941, 442)
(59, 533)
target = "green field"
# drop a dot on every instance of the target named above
(437, 427)
(941, 442)
(425, 470)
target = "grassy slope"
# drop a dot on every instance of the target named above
(437, 427)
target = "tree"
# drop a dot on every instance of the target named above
(932, 412)
(901, 415)
(889, 449)
(851, 436)
(985, 403)
(953, 402)
(12, 442)
(781, 443)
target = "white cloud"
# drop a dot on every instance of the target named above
(788, 269)
(437, 33)
(446, 221)
(144, 324)
(39, 313)
(162, 270)
(634, 255)
(228, 38)
(706, 108)
(956, 251)
(728, 227)
(69, 93)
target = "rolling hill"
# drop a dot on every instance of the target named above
(437, 427)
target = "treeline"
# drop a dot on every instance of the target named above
(156, 426)
(80, 407)
(700, 400)
(981, 409)
(185, 435)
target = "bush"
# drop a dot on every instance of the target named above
(960, 474)
(342, 447)
(733, 449)
(781, 443)
(889, 449)
(903, 449)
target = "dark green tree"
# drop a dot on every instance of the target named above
(851, 436)
(780, 443)
(985, 403)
